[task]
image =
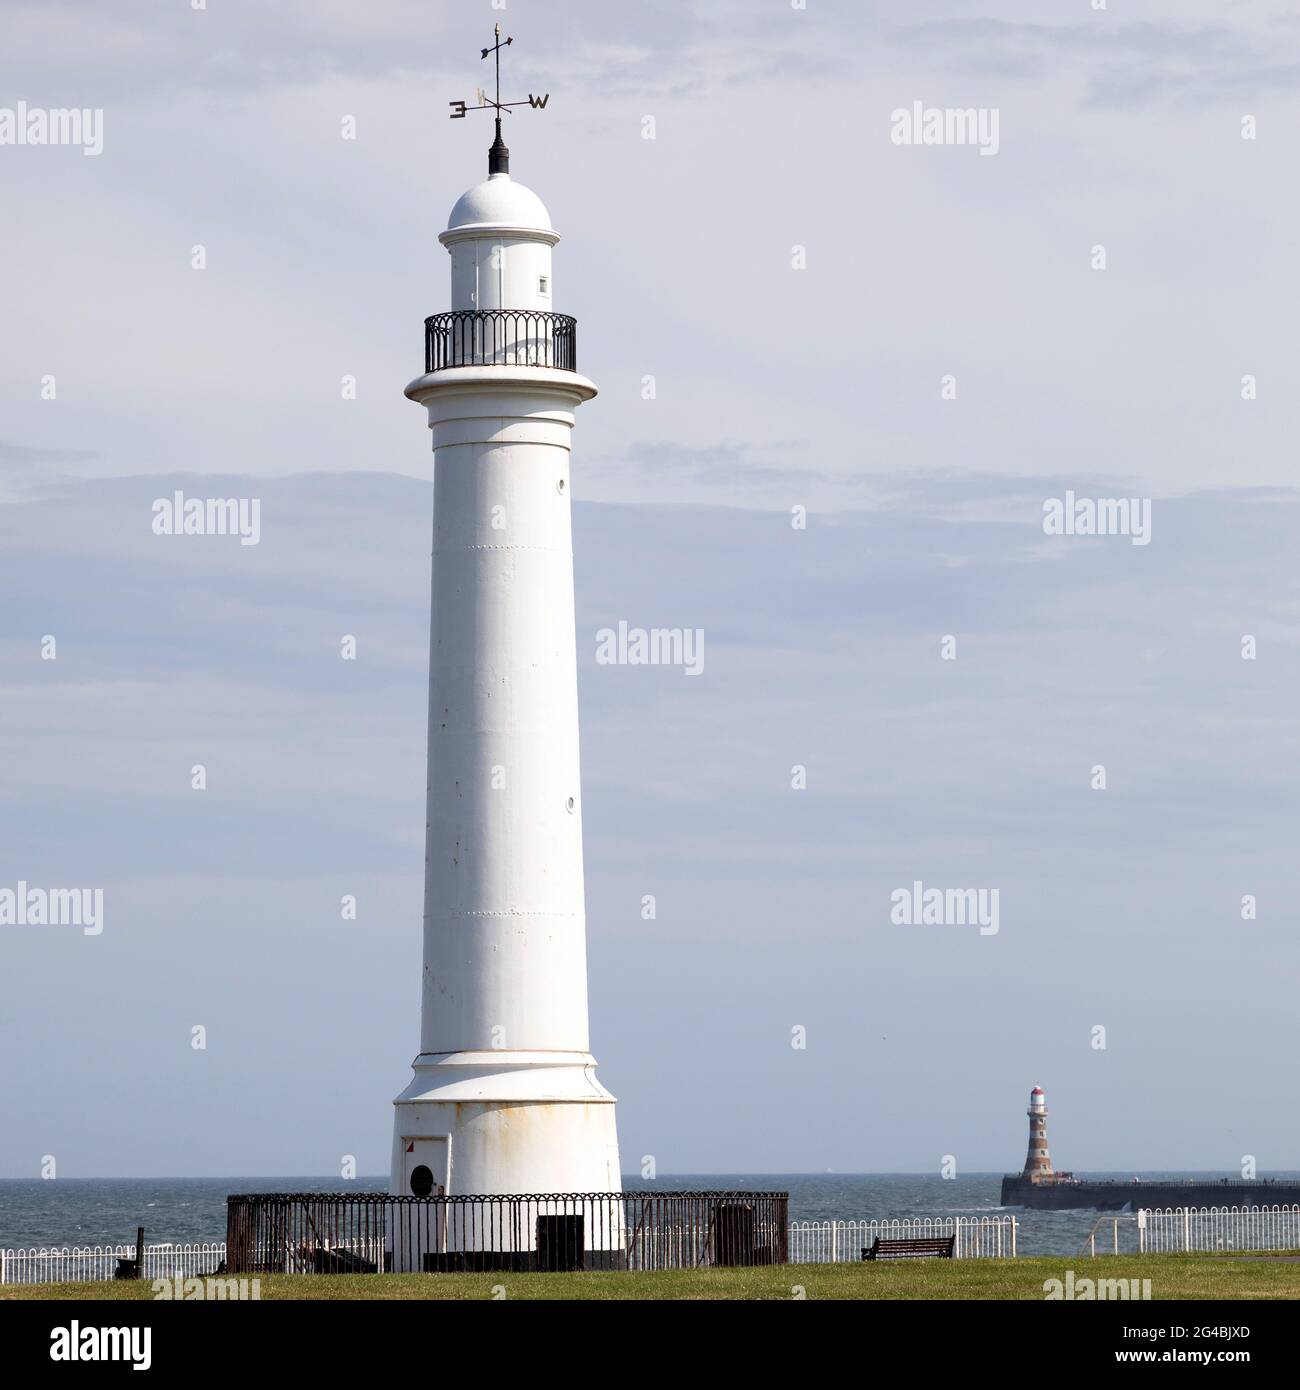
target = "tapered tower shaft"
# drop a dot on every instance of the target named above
(504, 1097)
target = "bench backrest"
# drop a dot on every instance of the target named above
(918, 1245)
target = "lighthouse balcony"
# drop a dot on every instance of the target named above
(500, 338)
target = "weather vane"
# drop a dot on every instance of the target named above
(498, 155)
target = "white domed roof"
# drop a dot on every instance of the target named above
(499, 201)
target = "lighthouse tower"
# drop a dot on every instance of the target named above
(1038, 1162)
(504, 1097)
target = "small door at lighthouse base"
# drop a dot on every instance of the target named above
(424, 1165)
(417, 1234)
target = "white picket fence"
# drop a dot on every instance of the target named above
(810, 1242)
(834, 1242)
(1169, 1229)
(1159, 1231)
(78, 1263)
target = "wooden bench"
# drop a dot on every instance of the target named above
(922, 1248)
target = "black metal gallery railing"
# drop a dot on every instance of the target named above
(500, 338)
(366, 1233)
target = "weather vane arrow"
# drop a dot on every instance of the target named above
(498, 155)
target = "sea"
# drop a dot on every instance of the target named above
(107, 1211)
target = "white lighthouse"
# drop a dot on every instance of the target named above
(504, 1098)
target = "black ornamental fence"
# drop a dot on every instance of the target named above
(500, 338)
(369, 1233)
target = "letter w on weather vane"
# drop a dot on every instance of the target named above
(459, 108)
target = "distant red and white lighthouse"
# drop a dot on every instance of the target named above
(1038, 1162)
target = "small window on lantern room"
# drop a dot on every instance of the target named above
(544, 284)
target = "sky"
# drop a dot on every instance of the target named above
(789, 315)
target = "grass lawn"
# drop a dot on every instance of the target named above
(1172, 1277)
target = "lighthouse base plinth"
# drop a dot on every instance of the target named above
(484, 1124)
(492, 1123)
